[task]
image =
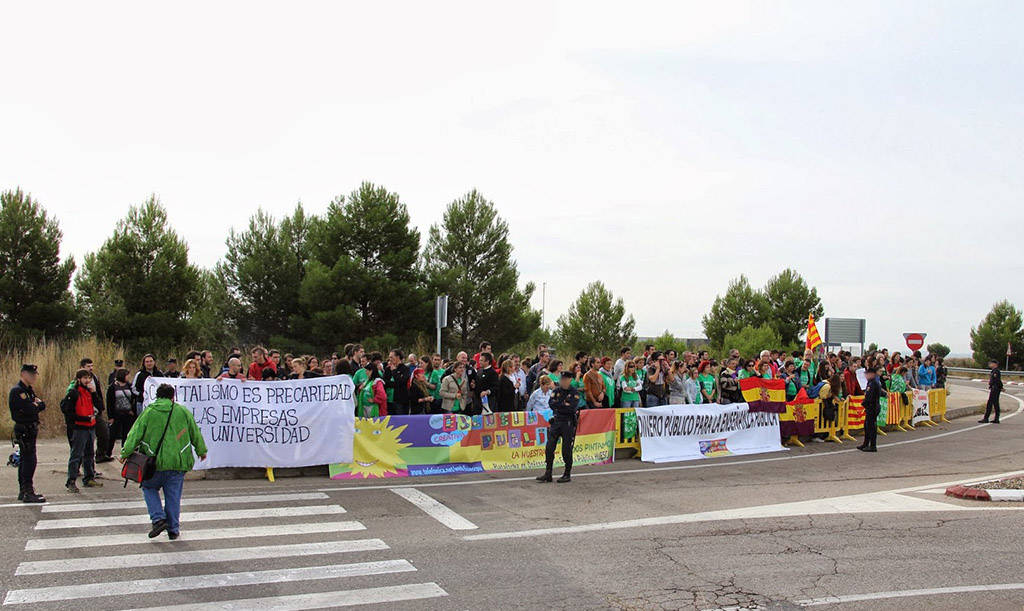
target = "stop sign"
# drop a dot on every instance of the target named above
(915, 341)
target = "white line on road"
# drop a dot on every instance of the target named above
(274, 530)
(319, 600)
(871, 502)
(199, 516)
(435, 509)
(199, 557)
(194, 582)
(192, 501)
(849, 598)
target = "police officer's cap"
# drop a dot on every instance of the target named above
(118, 362)
(566, 374)
(29, 368)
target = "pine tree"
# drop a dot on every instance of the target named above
(789, 301)
(1001, 326)
(139, 287)
(469, 258)
(34, 296)
(596, 322)
(740, 307)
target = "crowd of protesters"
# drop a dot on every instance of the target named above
(99, 415)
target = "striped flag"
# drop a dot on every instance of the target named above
(893, 417)
(764, 395)
(813, 339)
(855, 412)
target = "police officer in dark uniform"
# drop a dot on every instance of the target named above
(995, 388)
(25, 408)
(872, 407)
(564, 403)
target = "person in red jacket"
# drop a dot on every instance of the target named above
(259, 363)
(850, 383)
(81, 406)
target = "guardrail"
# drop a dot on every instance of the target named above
(983, 372)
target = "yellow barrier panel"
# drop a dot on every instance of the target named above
(622, 428)
(270, 474)
(937, 401)
(907, 411)
(829, 428)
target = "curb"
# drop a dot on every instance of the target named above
(980, 494)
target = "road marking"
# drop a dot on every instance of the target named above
(871, 502)
(435, 509)
(274, 530)
(199, 556)
(194, 582)
(191, 501)
(849, 598)
(199, 516)
(320, 600)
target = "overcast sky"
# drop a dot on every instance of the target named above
(662, 148)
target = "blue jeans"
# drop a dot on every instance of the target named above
(628, 404)
(171, 482)
(655, 401)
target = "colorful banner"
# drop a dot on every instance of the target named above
(685, 432)
(446, 444)
(290, 423)
(764, 395)
(922, 410)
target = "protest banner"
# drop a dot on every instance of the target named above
(922, 411)
(686, 432)
(445, 444)
(290, 423)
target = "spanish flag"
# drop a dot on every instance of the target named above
(764, 395)
(798, 419)
(813, 339)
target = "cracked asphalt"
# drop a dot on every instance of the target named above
(762, 563)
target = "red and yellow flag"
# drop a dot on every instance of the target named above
(855, 410)
(764, 395)
(799, 418)
(813, 339)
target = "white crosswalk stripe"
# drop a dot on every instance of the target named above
(245, 566)
(198, 535)
(187, 502)
(196, 582)
(199, 516)
(204, 556)
(321, 600)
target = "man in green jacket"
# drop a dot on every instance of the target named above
(168, 431)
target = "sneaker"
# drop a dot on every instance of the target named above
(92, 484)
(158, 527)
(72, 488)
(172, 536)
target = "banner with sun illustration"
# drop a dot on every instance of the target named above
(446, 444)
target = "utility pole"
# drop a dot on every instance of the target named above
(543, 303)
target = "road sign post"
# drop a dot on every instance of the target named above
(441, 315)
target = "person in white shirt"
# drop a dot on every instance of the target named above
(539, 400)
(624, 355)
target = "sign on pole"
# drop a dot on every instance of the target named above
(441, 315)
(915, 341)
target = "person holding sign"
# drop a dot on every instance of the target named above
(167, 431)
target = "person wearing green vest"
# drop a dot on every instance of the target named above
(630, 384)
(168, 431)
(373, 398)
(706, 383)
(607, 376)
(434, 382)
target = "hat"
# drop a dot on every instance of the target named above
(172, 360)
(29, 368)
(118, 362)
(566, 374)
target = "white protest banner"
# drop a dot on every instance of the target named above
(290, 423)
(922, 411)
(685, 432)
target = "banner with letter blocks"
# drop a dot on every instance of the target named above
(446, 444)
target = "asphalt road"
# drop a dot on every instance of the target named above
(776, 531)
